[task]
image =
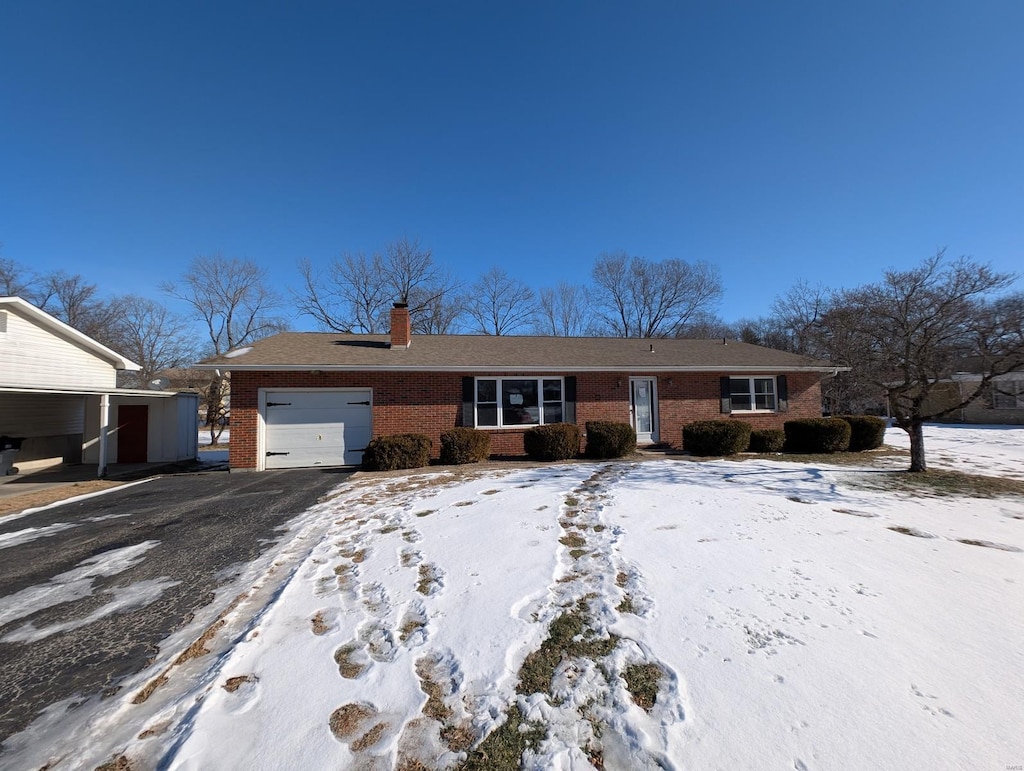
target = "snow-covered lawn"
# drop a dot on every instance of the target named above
(789, 625)
(985, 450)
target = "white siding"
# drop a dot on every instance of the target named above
(173, 431)
(34, 357)
(32, 415)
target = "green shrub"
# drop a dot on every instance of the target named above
(464, 445)
(608, 439)
(388, 453)
(767, 440)
(866, 432)
(558, 441)
(815, 435)
(716, 437)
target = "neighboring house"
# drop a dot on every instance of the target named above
(198, 381)
(58, 393)
(316, 398)
(1001, 402)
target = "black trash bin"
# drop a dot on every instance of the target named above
(9, 446)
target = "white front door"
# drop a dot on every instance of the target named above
(315, 427)
(643, 409)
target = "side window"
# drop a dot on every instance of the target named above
(552, 401)
(487, 402)
(764, 393)
(739, 391)
(752, 394)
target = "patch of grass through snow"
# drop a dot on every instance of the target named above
(642, 681)
(569, 636)
(940, 484)
(503, 748)
(572, 540)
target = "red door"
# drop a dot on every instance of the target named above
(132, 433)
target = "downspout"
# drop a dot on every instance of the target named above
(104, 429)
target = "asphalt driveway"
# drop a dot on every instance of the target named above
(160, 549)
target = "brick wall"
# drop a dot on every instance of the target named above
(430, 403)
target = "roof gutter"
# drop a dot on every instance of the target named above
(509, 368)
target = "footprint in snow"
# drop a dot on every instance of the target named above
(361, 726)
(375, 599)
(410, 557)
(379, 641)
(245, 693)
(412, 632)
(352, 660)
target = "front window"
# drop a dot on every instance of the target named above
(752, 394)
(502, 402)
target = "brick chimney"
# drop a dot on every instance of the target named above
(401, 326)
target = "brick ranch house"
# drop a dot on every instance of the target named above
(302, 399)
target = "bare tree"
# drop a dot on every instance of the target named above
(153, 337)
(16, 280)
(439, 313)
(232, 299)
(355, 292)
(797, 315)
(906, 333)
(563, 311)
(704, 325)
(641, 298)
(500, 304)
(350, 297)
(70, 298)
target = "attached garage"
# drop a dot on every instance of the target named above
(315, 427)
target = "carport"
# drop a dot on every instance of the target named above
(100, 427)
(59, 395)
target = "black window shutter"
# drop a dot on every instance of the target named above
(468, 398)
(570, 400)
(780, 384)
(726, 394)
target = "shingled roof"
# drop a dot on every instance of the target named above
(482, 353)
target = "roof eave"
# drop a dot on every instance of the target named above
(639, 367)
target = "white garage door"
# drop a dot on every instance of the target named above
(316, 428)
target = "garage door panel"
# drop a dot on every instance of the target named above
(316, 428)
(319, 417)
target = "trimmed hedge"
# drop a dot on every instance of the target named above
(817, 435)
(867, 432)
(388, 453)
(557, 441)
(716, 437)
(767, 440)
(464, 445)
(608, 439)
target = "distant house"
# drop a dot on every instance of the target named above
(317, 398)
(58, 394)
(1000, 403)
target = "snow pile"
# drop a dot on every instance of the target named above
(664, 613)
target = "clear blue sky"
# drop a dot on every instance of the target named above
(778, 140)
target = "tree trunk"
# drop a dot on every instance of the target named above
(916, 432)
(214, 409)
